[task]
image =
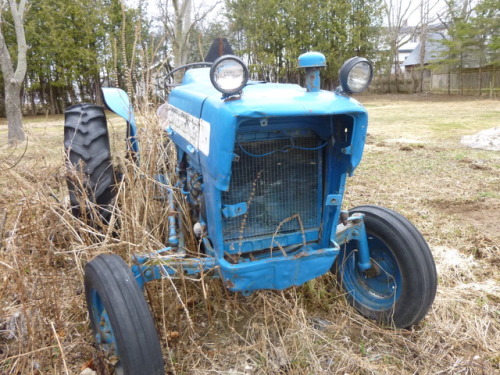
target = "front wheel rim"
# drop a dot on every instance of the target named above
(379, 292)
(104, 335)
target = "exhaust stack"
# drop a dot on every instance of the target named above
(312, 62)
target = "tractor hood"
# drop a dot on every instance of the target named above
(211, 141)
(259, 99)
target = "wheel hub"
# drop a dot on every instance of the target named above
(372, 272)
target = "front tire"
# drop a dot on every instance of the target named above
(402, 284)
(120, 317)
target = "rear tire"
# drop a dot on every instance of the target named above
(403, 287)
(90, 176)
(120, 317)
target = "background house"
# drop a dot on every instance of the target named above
(432, 67)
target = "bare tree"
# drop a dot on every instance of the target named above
(397, 13)
(180, 23)
(13, 76)
(181, 30)
(427, 7)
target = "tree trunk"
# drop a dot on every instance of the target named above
(42, 96)
(396, 69)
(97, 90)
(181, 45)
(13, 111)
(60, 100)
(72, 94)
(52, 101)
(32, 101)
(13, 78)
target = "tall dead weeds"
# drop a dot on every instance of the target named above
(203, 328)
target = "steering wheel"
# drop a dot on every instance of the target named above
(187, 66)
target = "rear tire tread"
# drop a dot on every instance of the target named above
(86, 141)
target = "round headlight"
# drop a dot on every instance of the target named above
(229, 74)
(356, 75)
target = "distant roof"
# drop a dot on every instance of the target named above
(416, 29)
(433, 49)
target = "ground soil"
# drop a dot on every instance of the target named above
(482, 215)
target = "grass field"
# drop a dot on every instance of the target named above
(413, 163)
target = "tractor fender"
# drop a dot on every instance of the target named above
(118, 101)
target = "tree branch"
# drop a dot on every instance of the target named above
(199, 18)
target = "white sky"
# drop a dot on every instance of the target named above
(152, 4)
(435, 6)
(413, 19)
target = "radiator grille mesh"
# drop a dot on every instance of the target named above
(275, 187)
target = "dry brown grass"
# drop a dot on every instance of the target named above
(413, 163)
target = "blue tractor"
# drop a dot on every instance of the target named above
(264, 167)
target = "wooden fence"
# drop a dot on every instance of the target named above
(469, 82)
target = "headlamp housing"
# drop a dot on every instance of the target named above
(355, 75)
(229, 74)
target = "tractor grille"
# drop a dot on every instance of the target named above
(279, 180)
